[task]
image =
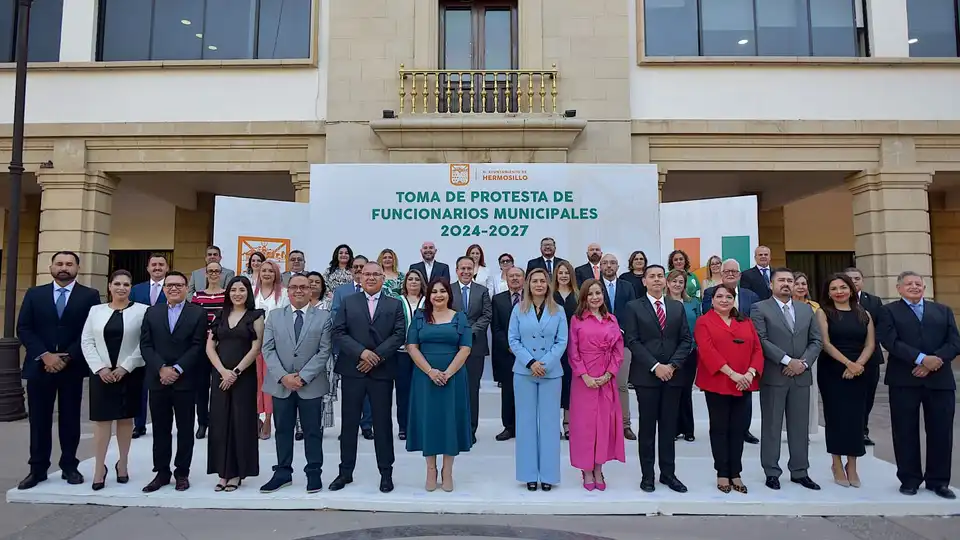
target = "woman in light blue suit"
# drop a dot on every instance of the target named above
(538, 337)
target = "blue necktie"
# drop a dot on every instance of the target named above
(61, 301)
(358, 287)
(766, 275)
(550, 267)
(611, 294)
(466, 297)
(917, 310)
(298, 326)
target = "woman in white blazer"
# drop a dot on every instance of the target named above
(538, 338)
(483, 275)
(111, 346)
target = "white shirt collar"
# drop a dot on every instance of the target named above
(653, 301)
(462, 285)
(781, 304)
(763, 267)
(68, 286)
(156, 283)
(375, 297)
(609, 282)
(429, 264)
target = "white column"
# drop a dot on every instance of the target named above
(78, 31)
(887, 23)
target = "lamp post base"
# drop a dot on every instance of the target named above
(11, 388)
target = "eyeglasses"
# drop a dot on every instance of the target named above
(505, 261)
(296, 259)
(175, 285)
(371, 274)
(730, 272)
(299, 287)
(214, 271)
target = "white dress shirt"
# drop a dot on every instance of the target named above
(653, 304)
(793, 315)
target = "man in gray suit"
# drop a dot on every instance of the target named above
(198, 278)
(791, 342)
(479, 312)
(298, 265)
(296, 348)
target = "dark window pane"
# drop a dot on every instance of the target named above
(125, 30)
(670, 28)
(834, 27)
(177, 30)
(229, 27)
(8, 26)
(497, 39)
(285, 29)
(727, 28)
(45, 22)
(457, 39)
(783, 28)
(932, 28)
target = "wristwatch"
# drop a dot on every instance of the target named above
(236, 371)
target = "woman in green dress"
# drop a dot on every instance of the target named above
(438, 342)
(392, 276)
(680, 261)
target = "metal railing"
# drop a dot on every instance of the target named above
(451, 91)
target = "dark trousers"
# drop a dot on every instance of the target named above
(474, 374)
(140, 421)
(748, 412)
(685, 422)
(285, 413)
(873, 376)
(726, 432)
(67, 392)
(203, 394)
(938, 408)
(508, 408)
(167, 405)
(658, 425)
(404, 376)
(380, 393)
(366, 417)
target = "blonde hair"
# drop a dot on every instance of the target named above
(675, 274)
(527, 303)
(396, 261)
(573, 278)
(710, 262)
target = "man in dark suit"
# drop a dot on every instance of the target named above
(746, 298)
(149, 293)
(874, 306)
(591, 270)
(656, 332)
(368, 329)
(430, 267)
(172, 340)
(922, 339)
(547, 259)
(341, 292)
(50, 324)
(501, 356)
(473, 300)
(757, 279)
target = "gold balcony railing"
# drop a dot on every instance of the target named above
(450, 91)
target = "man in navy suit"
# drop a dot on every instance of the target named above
(591, 270)
(50, 324)
(746, 298)
(430, 267)
(757, 279)
(548, 259)
(922, 339)
(339, 295)
(149, 293)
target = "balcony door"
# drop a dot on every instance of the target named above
(478, 36)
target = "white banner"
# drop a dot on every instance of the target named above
(243, 226)
(725, 227)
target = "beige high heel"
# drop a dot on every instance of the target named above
(446, 483)
(852, 479)
(431, 484)
(837, 477)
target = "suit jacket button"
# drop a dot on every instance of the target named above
(294, 355)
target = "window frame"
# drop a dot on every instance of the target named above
(14, 38)
(956, 35)
(312, 60)
(478, 10)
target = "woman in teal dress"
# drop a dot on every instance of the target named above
(680, 261)
(438, 342)
(676, 286)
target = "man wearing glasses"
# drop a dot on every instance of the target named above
(547, 259)
(172, 341)
(298, 264)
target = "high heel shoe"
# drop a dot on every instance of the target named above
(739, 488)
(446, 481)
(532, 486)
(601, 482)
(431, 484)
(97, 486)
(589, 486)
(840, 479)
(853, 479)
(121, 479)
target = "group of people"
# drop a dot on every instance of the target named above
(267, 353)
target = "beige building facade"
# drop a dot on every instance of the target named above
(127, 155)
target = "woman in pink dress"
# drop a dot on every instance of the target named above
(595, 351)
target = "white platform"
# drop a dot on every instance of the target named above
(485, 483)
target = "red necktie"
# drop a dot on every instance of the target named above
(661, 316)
(596, 272)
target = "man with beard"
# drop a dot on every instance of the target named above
(51, 322)
(548, 259)
(430, 267)
(591, 270)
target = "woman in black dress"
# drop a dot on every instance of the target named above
(111, 346)
(848, 344)
(232, 347)
(565, 294)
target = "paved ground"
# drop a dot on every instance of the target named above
(51, 522)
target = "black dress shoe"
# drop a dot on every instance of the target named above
(750, 439)
(689, 438)
(201, 431)
(158, 482)
(907, 490)
(340, 482)
(276, 483)
(545, 486)
(532, 486)
(73, 478)
(773, 482)
(183, 484)
(31, 481)
(367, 434)
(628, 434)
(943, 491)
(867, 441)
(505, 435)
(673, 483)
(402, 435)
(139, 432)
(806, 482)
(314, 483)
(647, 485)
(386, 484)
(298, 435)
(474, 439)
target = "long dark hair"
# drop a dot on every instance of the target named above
(335, 259)
(686, 259)
(428, 305)
(250, 260)
(114, 275)
(734, 312)
(582, 306)
(323, 282)
(250, 304)
(829, 307)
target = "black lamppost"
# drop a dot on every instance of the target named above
(11, 390)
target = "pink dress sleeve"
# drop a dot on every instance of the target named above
(616, 355)
(573, 348)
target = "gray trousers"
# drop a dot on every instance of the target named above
(793, 402)
(622, 377)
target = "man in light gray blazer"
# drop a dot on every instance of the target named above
(479, 312)
(198, 278)
(791, 342)
(296, 349)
